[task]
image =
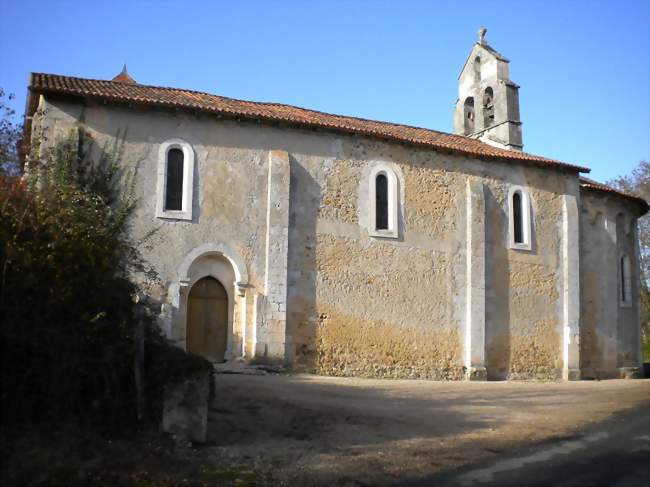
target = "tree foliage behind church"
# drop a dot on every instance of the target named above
(9, 137)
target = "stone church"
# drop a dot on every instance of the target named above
(348, 246)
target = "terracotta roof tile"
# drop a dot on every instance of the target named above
(595, 185)
(274, 112)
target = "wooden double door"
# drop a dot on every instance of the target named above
(207, 319)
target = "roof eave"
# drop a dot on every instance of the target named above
(341, 128)
(643, 205)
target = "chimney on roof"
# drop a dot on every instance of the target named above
(124, 77)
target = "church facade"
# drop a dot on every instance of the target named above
(353, 247)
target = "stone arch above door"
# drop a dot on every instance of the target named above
(223, 249)
(220, 262)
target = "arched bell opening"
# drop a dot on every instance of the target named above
(468, 115)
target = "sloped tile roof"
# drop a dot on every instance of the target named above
(595, 185)
(274, 112)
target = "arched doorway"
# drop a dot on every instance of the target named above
(207, 319)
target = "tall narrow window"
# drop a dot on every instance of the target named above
(477, 69)
(520, 224)
(382, 218)
(381, 202)
(626, 280)
(174, 186)
(517, 215)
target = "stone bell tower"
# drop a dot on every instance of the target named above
(488, 101)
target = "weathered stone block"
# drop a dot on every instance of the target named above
(185, 408)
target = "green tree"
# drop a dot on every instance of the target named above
(10, 132)
(638, 183)
(66, 263)
(72, 331)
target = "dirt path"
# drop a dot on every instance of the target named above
(310, 430)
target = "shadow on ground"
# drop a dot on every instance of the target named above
(327, 431)
(612, 452)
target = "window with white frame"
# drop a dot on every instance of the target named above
(519, 218)
(175, 185)
(625, 280)
(384, 202)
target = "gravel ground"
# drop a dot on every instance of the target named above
(313, 430)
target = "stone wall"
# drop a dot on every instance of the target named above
(524, 331)
(288, 210)
(360, 305)
(610, 331)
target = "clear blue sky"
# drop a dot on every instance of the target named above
(583, 66)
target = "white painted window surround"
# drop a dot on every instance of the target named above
(393, 202)
(188, 180)
(625, 281)
(526, 219)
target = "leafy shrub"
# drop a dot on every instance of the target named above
(67, 267)
(10, 131)
(67, 311)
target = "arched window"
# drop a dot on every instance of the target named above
(384, 202)
(175, 180)
(468, 114)
(488, 107)
(517, 216)
(520, 220)
(625, 280)
(381, 202)
(174, 187)
(477, 69)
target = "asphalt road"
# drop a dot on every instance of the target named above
(614, 453)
